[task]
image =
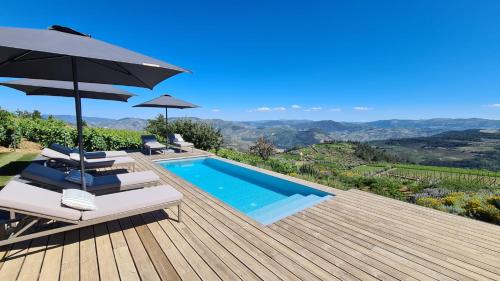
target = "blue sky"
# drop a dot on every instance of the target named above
(251, 60)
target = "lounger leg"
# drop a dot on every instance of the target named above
(179, 211)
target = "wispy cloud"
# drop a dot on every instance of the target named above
(215, 110)
(317, 108)
(494, 105)
(263, 109)
(296, 106)
(336, 109)
(267, 109)
(362, 108)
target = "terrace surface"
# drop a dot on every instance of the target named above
(355, 235)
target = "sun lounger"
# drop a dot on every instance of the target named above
(42, 208)
(73, 160)
(150, 144)
(178, 141)
(89, 155)
(55, 179)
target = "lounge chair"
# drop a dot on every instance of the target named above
(89, 155)
(73, 160)
(150, 143)
(55, 179)
(178, 141)
(42, 207)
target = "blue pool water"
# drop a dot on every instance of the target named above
(263, 197)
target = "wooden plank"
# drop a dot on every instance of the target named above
(70, 265)
(429, 261)
(105, 256)
(141, 259)
(433, 229)
(88, 256)
(189, 228)
(442, 219)
(51, 265)
(462, 254)
(179, 261)
(33, 262)
(124, 262)
(14, 261)
(163, 266)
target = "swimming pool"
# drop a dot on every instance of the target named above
(263, 197)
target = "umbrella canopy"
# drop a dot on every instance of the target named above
(48, 54)
(167, 101)
(38, 87)
(61, 53)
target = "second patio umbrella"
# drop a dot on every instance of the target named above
(65, 89)
(167, 101)
(61, 53)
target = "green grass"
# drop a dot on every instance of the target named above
(12, 163)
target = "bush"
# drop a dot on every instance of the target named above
(495, 201)
(430, 203)
(309, 169)
(281, 166)
(453, 199)
(480, 209)
(202, 135)
(263, 147)
(9, 135)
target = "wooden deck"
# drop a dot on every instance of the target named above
(355, 235)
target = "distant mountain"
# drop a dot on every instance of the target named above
(292, 133)
(473, 148)
(446, 124)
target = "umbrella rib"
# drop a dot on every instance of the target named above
(121, 69)
(14, 58)
(131, 74)
(44, 58)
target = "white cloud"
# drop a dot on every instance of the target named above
(264, 109)
(316, 108)
(361, 108)
(336, 109)
(215, 110)
(494, 105)
(279, 108)
(296, 106)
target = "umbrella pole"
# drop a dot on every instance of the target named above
(166, 123)
(78, 107)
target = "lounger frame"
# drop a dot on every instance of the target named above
(59, 162)
(15, 233)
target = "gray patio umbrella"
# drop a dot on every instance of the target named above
(61, 53)
(167, 101)
(39, 87)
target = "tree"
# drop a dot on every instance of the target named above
(201, 134)
(263, 147)
(156, 126)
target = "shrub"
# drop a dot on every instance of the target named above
(453, 199)
(482, 210)
(9, 135)
(430, 203)
(263, 147)
(495, 201)
(202, 135)
(281, 166)
(309, 169)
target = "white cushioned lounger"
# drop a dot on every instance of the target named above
(37, 203)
